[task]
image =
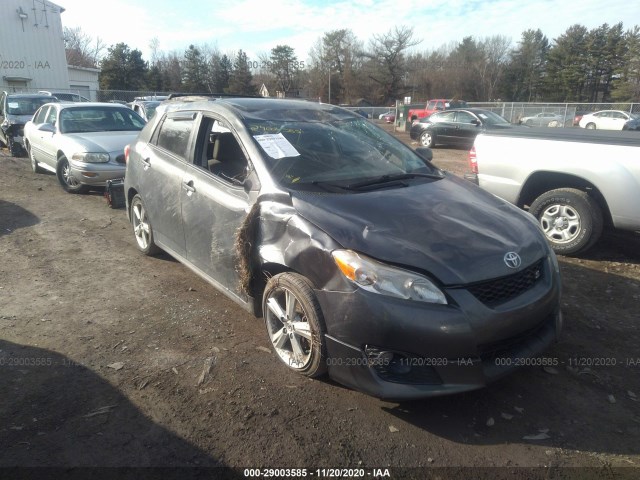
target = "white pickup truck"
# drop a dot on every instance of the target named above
(574, 181)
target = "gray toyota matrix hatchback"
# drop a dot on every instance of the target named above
(366, 261)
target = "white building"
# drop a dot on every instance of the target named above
(32, 55)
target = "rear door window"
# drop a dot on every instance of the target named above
(175, 133)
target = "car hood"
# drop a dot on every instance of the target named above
(448, 228)
(99, 141)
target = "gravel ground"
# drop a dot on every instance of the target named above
(110, 358)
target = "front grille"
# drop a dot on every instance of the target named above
(497, 291)
(120, 158)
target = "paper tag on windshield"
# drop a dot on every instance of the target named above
(276, 145)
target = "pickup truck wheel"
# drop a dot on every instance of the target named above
(570, 219)
(427, 140)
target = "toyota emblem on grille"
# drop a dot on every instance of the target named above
(512, 259)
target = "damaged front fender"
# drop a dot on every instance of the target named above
(273, 238)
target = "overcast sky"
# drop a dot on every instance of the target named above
(257, 26)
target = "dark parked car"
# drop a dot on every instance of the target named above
(16, 109)
(366, 261)
(455, 127)
(633, 124)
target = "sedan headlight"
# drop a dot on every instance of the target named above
(89, 157)
(377, 277)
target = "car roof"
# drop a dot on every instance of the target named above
(91, 104)
(28, 95)
(259, 108)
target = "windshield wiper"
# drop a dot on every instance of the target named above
(390, 178)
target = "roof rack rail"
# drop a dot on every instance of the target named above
(211, 95)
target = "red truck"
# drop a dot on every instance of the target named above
(434, 106)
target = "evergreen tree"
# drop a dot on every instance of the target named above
(123, 69)
(194, 71)
(284, 64)
(241, 79)
(524, 73)
(626, 83)
(567, 67)
(221, 68)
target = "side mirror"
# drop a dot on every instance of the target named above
(425, 153)
(47, 127)
(475, 122)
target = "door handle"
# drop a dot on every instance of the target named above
(146, 162)
(188, 186)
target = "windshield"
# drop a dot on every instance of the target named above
(304, 154)
(26, 105)
(99, 119)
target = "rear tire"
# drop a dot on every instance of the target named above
(142, 228)
(570, 219)
(427, 139)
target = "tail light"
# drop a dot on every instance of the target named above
(127, 149)
(473, 160)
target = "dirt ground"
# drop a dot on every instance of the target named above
(110, 358)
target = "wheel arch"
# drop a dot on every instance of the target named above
(541, 182)
(275, 239)
(132, 192)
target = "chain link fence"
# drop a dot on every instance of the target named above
(535, 114)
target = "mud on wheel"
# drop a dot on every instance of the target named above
(570, 219)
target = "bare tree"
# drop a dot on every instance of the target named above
(387, 62)
(81, 49)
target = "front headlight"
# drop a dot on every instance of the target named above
(89, 157)
(377, 277)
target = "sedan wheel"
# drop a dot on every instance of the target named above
(295, 324)
(591, 126)
(427, 140)
(66, 178)
(142, 228)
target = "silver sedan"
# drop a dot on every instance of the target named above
(82, 143)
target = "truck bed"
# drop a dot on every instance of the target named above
(582, 135)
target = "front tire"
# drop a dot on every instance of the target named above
(570, 219)
(66, 178)
(14, 148)
(427, 140)
(295, 324)
(142, 228)
(591, 126)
